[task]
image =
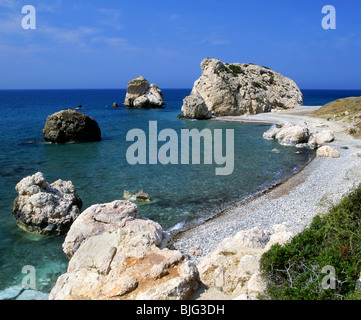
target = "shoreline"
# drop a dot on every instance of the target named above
(316, 187)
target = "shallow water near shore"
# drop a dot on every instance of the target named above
(182, 195)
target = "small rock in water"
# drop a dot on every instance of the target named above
(142, 196)
(71, 126)
(128, 195)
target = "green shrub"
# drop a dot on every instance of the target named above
(221, 70)
(256, 84)
(294, 271)
(259, 85)
(236, 70)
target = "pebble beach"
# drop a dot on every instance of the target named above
(313, 190)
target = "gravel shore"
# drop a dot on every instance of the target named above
(295, 202)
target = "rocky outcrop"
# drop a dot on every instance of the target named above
(45, 208)
(318, 139)
(239, 89)
(141, 95)
(299, 136)
(194, 107)
(110, 217)
(71, 126)
(288, 134)
(233, 267)
(116, 254)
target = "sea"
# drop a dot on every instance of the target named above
(182, 195)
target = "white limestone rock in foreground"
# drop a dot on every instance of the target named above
(118, 255)
(233, 267)
(110, 217)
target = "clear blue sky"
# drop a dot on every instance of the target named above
(104, 44)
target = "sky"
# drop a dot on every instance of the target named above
(83, 44)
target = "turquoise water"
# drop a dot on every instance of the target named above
(182, 195)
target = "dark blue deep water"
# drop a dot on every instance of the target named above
(182, 195)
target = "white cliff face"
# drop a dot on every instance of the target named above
(240, 89)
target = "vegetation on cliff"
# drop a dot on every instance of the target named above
(301, 269)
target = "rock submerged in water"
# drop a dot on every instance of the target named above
(140, 95)
(239, 89)
(71, 126)
(45, 208)
(115, 254)
(140, 196)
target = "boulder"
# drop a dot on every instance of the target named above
(233, 267)
(271, 133)
(136, 88)
(109, 217)
(45, 208)
(155, 96)
(141, 95)
(318, 139)
(291, 134)
(327, 152)
(141, 102)
(240, 89)
(122, 256)
(194, 107)
(142, 196)
(356, 154)
(222, 268)
(71, 126)
(127, 195)
(288, 134)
